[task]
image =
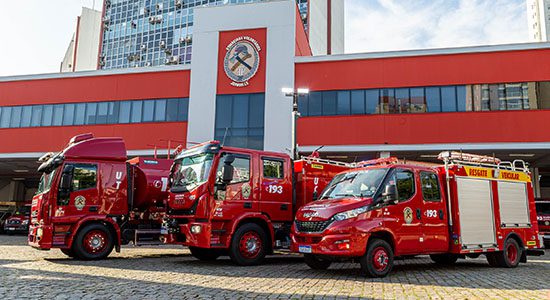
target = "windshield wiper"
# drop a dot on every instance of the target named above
(346, 195)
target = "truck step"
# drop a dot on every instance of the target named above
(144, 237)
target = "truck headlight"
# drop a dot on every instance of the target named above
(25, 222)
(350, 213)
(195, 229)
(39, 232)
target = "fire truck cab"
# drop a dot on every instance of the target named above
(239, 202)
(469, 206)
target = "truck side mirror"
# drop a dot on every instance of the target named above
(315, 196)
(66, 178)
(390, 194)
(227, 172)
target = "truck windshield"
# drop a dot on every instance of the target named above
(362, 183)
(543, 208)
(188, 172)
(46, 182)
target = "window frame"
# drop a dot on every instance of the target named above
(421, 173)
(273, 159)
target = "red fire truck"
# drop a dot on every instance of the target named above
(91, 199)
(543, 216)
(239, 202)
(469, 206)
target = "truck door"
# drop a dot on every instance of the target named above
(275, 189)
(80, 195)
(405, 214)
(434, 214)
(239, 194)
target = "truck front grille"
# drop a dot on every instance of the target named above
(312, 226)
(14, 222)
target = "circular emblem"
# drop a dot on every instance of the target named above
(242, 60)
(408, 215)
(246, 189)
(79, 202)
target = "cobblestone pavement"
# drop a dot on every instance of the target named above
(160, 272)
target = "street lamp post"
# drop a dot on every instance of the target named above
(290, 92)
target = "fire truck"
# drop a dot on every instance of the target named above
(239, 202)
(468, 206)
(91, 199)
(543, 216)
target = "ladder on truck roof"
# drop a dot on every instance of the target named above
(459, 158)
(318, 160)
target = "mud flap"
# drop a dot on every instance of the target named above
(523, 258)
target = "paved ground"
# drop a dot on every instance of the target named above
(138, 273)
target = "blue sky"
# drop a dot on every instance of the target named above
(35, 33)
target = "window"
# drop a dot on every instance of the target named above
(343, 103)
(405, 184)
(430, 186)
(36, 115)
(315, 104)
(273, 168)
(15, 117)
(124, 114)
(80, 114)
(68, 114)
(47, 115)
(57, 115)
(6, 117)
(160, 110)
(371, 98)
(433, 99)
(136, 111)
(448, 98)
(329, 103)
(241, 168)
(91, 112)
(148, 110)
(358, 102)
(84, 177)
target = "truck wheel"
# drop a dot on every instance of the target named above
(205, 254)
(93, 242)
(444, 259)
(248, 245)
(378, 260)
(68, 252)
(510, 256)
(316, 263)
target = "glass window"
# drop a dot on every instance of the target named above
(371, 98)
(16, 117)
(405, 184)
(357, 102)
(344, 105)
(433, 99)
(57, 115)
(430, 186)
(68, 114)
(137, 108)
(80, 114)
(402, 101)
(315, 103)
(418, 102)
(6, 117)
(148, 110)
(302, 105)
(91, 112)
(160, 110)
(112, 117)
(239, 118)
(183, 109)
(26, 116)
(36, 115)
(387, 99)
(329, 103)
(47, 115)
(172, 110)
(124, 114)
(273, 168)
(448, 98)
(463, 99)
(241, 169)
(102, 113)
(84, 177)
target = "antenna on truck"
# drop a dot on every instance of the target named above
(224, 135)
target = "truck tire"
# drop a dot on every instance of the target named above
(68, 252)
(248, 245)
(378, 259)
(510, 256)
(205, 254)
(444, 259)
(316, 263)
(93, 242)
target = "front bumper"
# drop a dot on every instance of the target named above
(16, 228)
(40, 237)
(183, 235)
(340, 239)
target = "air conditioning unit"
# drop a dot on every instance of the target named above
(143, 47)
(162, 44)
(188, 39)
(148, 64)
(159, 6)
(172, 60)
(143, 11)
(130, 57)
(168, 51)
(107, 3)
(106, 20)
(179, 3)
(134, 24)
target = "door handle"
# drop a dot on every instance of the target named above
(248, 205)
(418, 214)
(93, 208)
(441, 215)
(284, 206)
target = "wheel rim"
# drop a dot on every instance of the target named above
(95, 241)
(380, 259)
(512, 253)
(250, 244)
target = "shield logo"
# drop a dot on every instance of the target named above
(242, 60)
(408, 215)
(246, 190)
(79, 202)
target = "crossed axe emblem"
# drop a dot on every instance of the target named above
(240, 57)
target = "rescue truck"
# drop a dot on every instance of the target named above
(239, 202)
(543, 216)
(470, 205)
(91, 199)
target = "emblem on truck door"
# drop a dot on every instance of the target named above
(408, 215)
(79, 202)
(245, 190)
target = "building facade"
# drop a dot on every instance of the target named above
(411, 104)
(144, 33)
(83, 49)
(538, 19)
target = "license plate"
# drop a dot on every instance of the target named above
(11, 228)
(304, 249)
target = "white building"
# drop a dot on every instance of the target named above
(83, 50)
(538, 18)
